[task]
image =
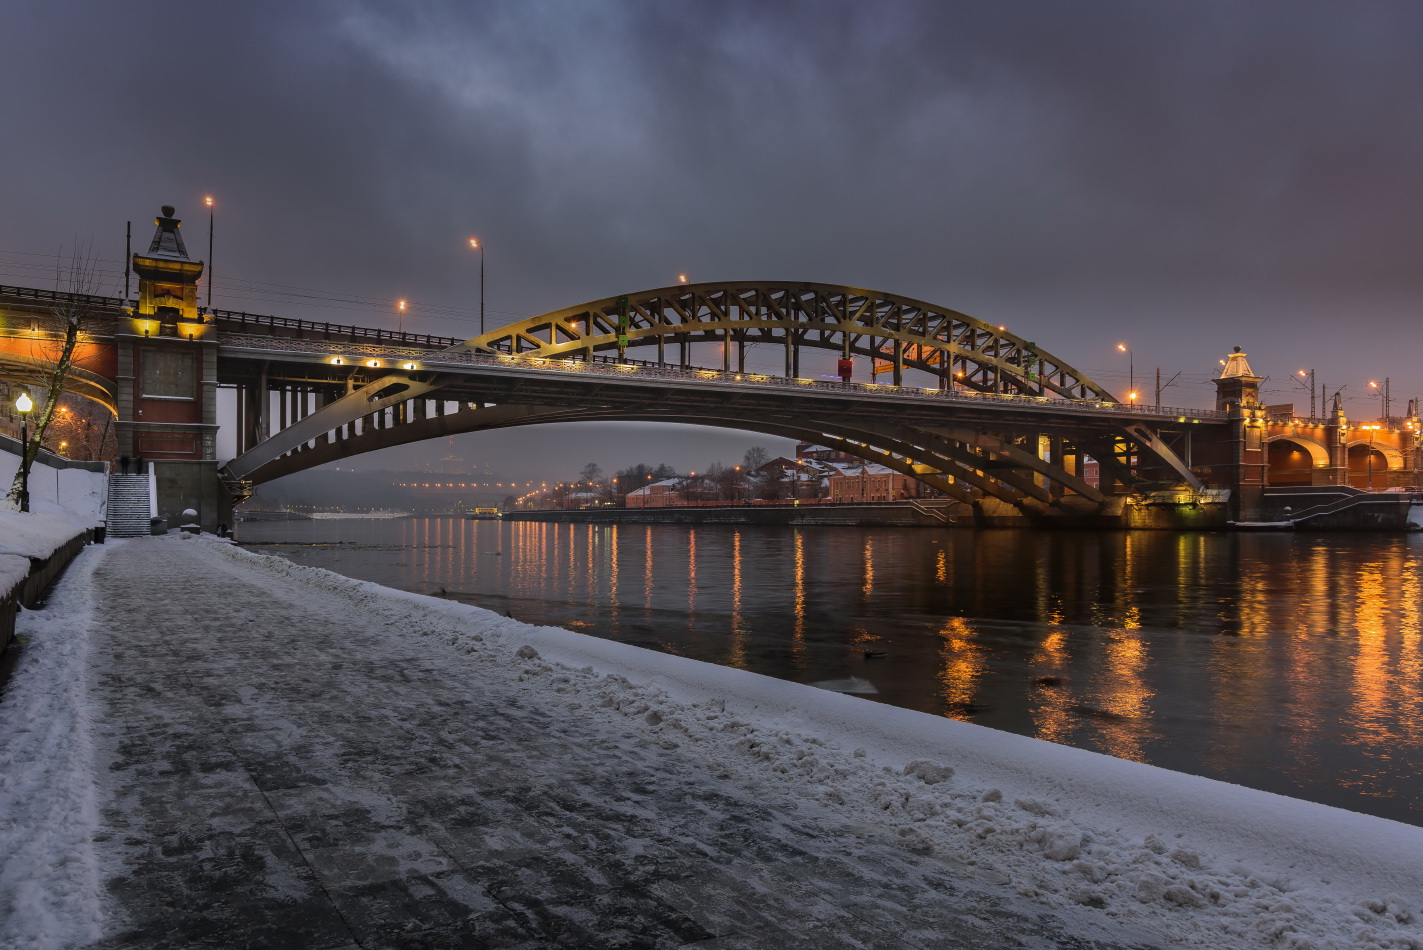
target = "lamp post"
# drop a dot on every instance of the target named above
(23, 405)
(1383, 398)
(1309, 376)
(400, 316)
(1131, 372)
(208, 200)
(474, 243)
(1371, 430)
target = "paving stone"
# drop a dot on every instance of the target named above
(310, 779)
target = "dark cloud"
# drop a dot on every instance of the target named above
(1185, 176)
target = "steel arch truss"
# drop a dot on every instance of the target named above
(903, 332)
(963, 464)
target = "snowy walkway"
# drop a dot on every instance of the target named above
(289, 769)
(288, 758)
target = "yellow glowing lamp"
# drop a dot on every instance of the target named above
(207, 200)
(24, 403)
(474, 243)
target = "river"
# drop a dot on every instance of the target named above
(1289, 663)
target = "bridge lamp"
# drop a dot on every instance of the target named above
(411, 366)
(400, 307)
(337, 361)
(681, 278)
(475, 245)
(373, 364)
(1131, 366)
(23, 405)
(208, 200)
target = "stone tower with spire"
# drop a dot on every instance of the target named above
(167, 380)
(1238, 395)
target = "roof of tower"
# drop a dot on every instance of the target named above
(1236, 365)
(167, 242)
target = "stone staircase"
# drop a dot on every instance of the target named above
(129, 510)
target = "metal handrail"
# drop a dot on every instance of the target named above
(61, 296)
(374, 333)
(609, 366)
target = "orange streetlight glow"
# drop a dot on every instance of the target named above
(681, 278)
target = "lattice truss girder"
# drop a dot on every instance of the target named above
(902, 332)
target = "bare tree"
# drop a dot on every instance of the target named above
(71, 317)
(84, 431)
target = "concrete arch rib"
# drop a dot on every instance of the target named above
(1392, 455)
(902, 331)
(1318, 454)
(79, 382)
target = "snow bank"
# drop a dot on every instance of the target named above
(34, 534)
(49, 884)
(1199, 862)
(73, 495)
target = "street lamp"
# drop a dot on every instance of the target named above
(1309, 376)
(1131, 368)
(681, 278)
(1371, 430)
(23, 405)
(400, 316)
(1383, 398)
(474, 243)
(208, 200)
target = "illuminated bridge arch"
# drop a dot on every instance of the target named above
(37, 372)
(902, 332)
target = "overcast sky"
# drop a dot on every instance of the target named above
(1184, 177)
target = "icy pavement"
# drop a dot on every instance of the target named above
(288, 758)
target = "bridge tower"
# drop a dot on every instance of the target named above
(1238, 393)
(167, 380)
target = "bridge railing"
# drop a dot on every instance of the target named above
(391, 357)
(241, 322)
(61, 296)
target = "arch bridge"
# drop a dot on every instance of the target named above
(973, 411)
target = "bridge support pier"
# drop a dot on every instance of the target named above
(167, 382)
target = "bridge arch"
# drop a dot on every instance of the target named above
(1292, 459)
(953, 462)
(903, 332)
(943, 435)
(80, 382)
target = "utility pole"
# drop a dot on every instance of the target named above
(1161, 387)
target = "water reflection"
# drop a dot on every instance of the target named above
(1283, 662)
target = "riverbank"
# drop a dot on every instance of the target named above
(877, 515)
(326, 760)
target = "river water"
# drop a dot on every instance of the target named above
(1289, 663)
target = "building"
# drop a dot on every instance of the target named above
(867, 482)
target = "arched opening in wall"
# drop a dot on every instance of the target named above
(1368, 466)
(1294, 461)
